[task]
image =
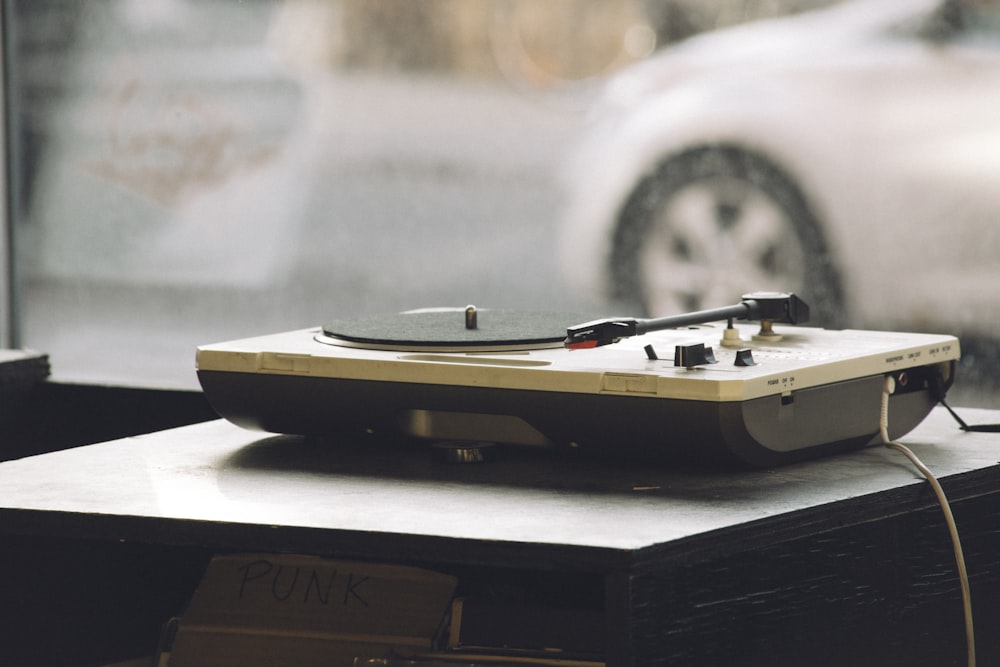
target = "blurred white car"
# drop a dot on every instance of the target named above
(851, 155)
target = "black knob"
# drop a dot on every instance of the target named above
(693, 355)
(744, 357)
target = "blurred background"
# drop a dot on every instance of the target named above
(187, 171)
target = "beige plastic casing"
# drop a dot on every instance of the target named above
(802, 358)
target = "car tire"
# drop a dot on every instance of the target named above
(711, 224)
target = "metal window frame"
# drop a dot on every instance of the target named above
(8, 292)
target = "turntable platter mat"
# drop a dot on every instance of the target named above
(446, 328)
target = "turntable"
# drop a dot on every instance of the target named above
(700, 387)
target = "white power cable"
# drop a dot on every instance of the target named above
(888, 388)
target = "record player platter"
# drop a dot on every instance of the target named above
(451, 329)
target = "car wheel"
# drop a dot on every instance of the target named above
(712, 224)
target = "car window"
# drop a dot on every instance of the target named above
(186, 172)
(983, 22)
(957, 21)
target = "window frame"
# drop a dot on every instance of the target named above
(8, 293)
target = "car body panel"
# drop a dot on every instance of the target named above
(893, 137)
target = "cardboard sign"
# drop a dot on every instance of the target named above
(268, 609)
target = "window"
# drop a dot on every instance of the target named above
(186, 172)
(195, 171)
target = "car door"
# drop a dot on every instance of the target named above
(935, 137)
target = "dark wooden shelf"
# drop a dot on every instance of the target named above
(845, 558)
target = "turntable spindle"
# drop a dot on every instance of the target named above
(471, 317)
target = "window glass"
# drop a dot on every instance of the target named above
(193, 171)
